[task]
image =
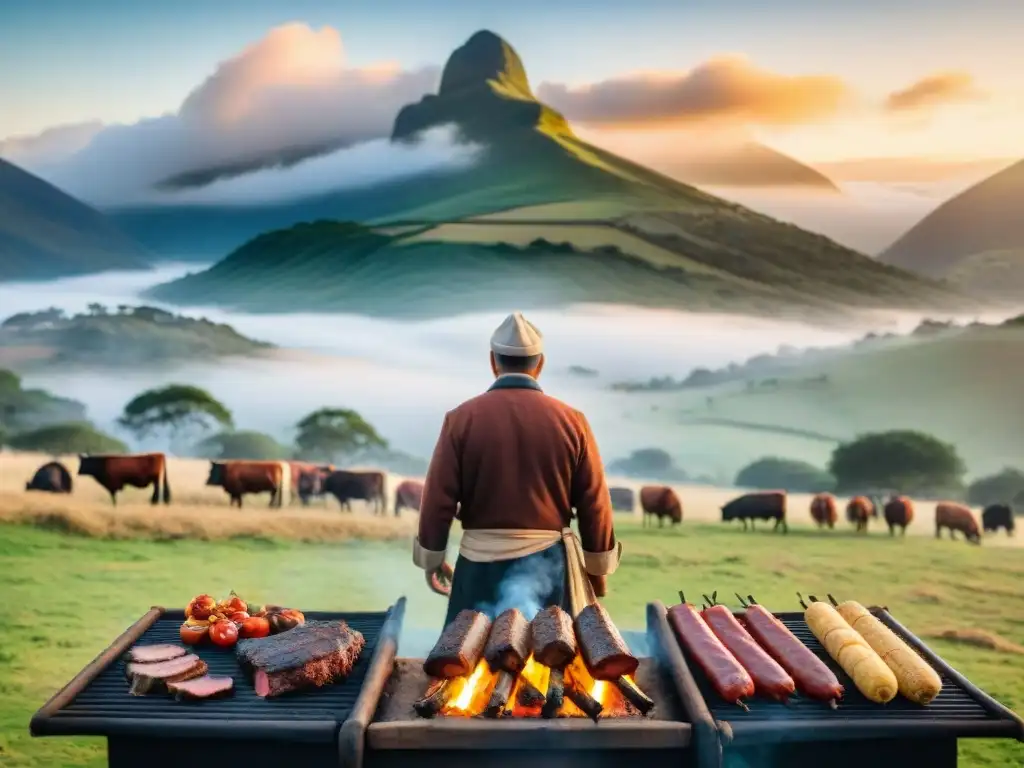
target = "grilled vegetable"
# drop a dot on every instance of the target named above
(224, 634)
(865, 667)
(191, 634)
(916, 679)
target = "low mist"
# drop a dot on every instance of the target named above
(403, 376)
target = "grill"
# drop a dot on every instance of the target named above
(882, 734)
(311, 726)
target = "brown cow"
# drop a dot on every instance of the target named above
(408, 495)
(307, 480)
(345, 486)
(823, 510)
(956, 517)
(623, 499)
(661, 501)
(899, 511)
(239, 478)
(859, 511)
(114, 472)
(52, 477)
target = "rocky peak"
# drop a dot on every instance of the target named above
(484, 57)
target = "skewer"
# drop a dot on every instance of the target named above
(802, 600)
(740, 598)
(752, 600)
(833, 601)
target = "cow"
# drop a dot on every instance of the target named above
(859, 511)
(307, 480)
(52, 477)
(345, 486)
(823, 510)
(239, 478)
(763, 505)
(956, 517)
(623, 499)
(661, 501)
(114, 472)
(408, 495)
(898, 512)
(996, 516)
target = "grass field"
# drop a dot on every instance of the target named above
(71, 587)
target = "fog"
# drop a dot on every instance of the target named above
(403, 376)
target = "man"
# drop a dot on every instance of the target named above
(513, 464)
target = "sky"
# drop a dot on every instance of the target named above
(823, 80)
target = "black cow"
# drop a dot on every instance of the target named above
(623, 499)
(366, 486)
(996, 516)
(52, 477)
(767, 505)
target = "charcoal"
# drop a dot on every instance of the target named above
(579, 696)
(460, 645)
(499, 696)
(438, 694)
(508, 645)
(555, 695)
(155, 652)
(552, 637)
(528, 696)
(604, 650)
(632, 693)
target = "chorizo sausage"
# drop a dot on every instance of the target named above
(769, 678)
(730, 680)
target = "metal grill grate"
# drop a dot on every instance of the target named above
(105, 707)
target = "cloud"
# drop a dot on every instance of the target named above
(729, 89)
(52, 145)
(934, 91)
(281, 98)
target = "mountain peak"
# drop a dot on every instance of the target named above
(484, 57)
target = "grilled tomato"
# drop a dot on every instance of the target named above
(233, 604)
(191, 634)
(285, 619)
(254, 626)
(224, 634)
(201, 607)
(238, 616)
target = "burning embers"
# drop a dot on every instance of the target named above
(544, 668)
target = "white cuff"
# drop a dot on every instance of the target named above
(427, 559)
(603, 563)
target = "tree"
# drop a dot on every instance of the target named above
(900, 460)
(242, 445)
(176, 409)
(653, 463)
(1003, 487)
(335, 433)
(786, 474)
(58, 439)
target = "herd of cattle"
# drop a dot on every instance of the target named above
(305, 481)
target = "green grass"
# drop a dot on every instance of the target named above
(67, 597)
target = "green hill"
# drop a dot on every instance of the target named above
(45, 233)
(985, 217)
(576, 224)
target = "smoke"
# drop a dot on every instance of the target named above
(526, 586)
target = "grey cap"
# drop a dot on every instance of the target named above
(517, 337)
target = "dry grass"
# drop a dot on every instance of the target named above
(197, 511)
(979, 638)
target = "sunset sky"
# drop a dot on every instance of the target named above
(823, 80)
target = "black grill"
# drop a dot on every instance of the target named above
(105, 708)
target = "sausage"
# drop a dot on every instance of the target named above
(552, 637)
(460, 645)
(812, 677)
(604, 649)
(769, 678)
(729, 678)
(508, 645)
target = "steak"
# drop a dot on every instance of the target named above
(154, 677)
(156, 652)
(315, 654)
(205, 687)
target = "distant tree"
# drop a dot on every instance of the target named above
(785, 474)
(178, 409)
(335, 434)
(95, 308)
(654, 463)
(901, 460)
(58, 439)
(243, 444)
(1004, 487)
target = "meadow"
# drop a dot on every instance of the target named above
(76, 571)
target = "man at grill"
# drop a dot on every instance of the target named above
(513, 464)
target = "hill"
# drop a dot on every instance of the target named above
(941, 379)
(24, 409)
(985, 217)
(546, 217)
(45, 233)
(126, 337)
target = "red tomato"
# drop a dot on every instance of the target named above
(190, 635)
(233, 604)
(238, 616)
(254, 626)
(224, 634)
(201, 607)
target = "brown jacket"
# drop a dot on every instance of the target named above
(515, 457)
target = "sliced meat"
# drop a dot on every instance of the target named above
(156, 652)
(154, 677)
(205, 687)
(312, 655)
(460, 645)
